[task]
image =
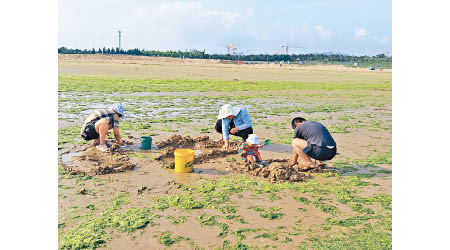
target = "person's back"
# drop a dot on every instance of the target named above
(311, 140)
(101, 113)
(315, 133)
(97, 124)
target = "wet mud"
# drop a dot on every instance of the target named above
(278, 170)
(208, 149)
(92, 161)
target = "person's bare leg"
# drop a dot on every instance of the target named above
(258, 156)
(102, 127)
(95, 142)
(250, 158)
(298, 145)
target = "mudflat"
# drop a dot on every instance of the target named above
(137, 201)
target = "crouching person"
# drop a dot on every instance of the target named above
(249, 149)
(98, 123)
(235, 121)
(311, 140)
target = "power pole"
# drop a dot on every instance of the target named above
(120, 36)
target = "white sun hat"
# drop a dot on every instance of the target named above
(118, 108)
(253, 139)
(227, 110)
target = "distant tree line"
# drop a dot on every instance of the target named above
(380, 58)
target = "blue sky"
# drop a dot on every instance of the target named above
(345, 26)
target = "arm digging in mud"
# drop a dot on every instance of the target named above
(96, 127)
(117, 135)
(235, 121)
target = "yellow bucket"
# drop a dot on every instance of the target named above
(184, 160)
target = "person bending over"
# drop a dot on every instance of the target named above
(98, 123)
(311, 140)
(235, 121)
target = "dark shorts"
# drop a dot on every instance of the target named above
(319, 153)
(241, 133)
(89, 132)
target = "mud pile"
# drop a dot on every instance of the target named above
(277, 171)
(93, 162)
(178, 141)
(213, 154)
(209, 149)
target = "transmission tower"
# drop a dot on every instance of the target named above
(120, 36)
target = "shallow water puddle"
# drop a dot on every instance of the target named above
(209, 171)
(67, 158)
(201, 171)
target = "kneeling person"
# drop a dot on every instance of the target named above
(311, 140)
(98, 123)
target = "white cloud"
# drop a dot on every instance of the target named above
(202, 24)
(323, 32)
(181, 24)
(361, 32)
(185, 12)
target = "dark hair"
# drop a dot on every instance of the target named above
(297, 120)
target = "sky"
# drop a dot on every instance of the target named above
(355, 27)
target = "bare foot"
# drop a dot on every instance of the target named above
(313, 165)
(304, 166)
(308, 165)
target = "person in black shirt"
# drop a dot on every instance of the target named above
(311, 140)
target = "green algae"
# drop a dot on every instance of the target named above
(210, 220)
(179, 220)
(91, 233)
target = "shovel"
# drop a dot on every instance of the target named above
(267, 142)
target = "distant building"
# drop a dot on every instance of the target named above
(299, 61)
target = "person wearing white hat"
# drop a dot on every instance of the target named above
(233, 120)
(98, 123)
(249, 149)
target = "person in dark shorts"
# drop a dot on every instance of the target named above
(311, 140)
(235, 121)
(98, 123)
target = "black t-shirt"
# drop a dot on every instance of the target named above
(314, 133)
